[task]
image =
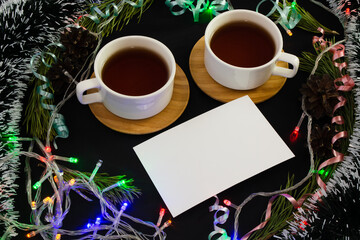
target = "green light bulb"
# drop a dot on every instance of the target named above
(36, 185)
(73, 160)
(13, 139)
(121, 183)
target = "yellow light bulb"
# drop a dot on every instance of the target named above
(72, 182)
(30, 234)
(47, 200)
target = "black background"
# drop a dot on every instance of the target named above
(90, 140)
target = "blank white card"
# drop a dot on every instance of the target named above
(212, 152)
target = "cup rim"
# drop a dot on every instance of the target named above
(172, 71)
(276, 55)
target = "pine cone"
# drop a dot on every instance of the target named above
(59, 81)
(79, 44)
(320, 96)
(320, 140)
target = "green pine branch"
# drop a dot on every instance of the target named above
(307, 21)
(110, 22)
(37, 118)
(325, 66)
(282, 209)
(102, 181)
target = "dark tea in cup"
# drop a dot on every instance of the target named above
(134, 77)
(243, 44)
(242, 48)
(135, 72)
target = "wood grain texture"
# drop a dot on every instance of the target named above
(223, 94)
(173, 111)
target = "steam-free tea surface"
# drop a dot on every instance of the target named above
(173, 111)
(223, 94)
(243, 44)
(135, 72)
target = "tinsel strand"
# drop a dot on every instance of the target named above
(347, 173)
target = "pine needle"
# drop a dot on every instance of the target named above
(307, 21)
(282, 209)
(112, 23)
(326, 65)
(36, 117)
(102, 181)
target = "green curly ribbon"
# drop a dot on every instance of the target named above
(289, 16)
(136, 5)
(96, 11)
(59, 121)
(219, 233)
(217, 6)
(214, 6)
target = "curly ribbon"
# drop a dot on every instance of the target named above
(346, 85)
(289, 16)
(59, 121)
(296, 204)
(219, 220)
(201, 5)
(216, 6)
(96, 11)
(134, 4)
(320, 40)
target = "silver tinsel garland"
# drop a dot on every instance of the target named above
(347, 174)
(26, 26)
(20, 38)
(11, 95)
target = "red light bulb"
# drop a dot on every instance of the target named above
(162, 211)
(47, 149)
(227, 202)
(294, 135)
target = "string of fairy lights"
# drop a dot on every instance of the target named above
(49, 212)
(220, 233)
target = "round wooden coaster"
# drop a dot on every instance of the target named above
(223, 94)
(163, 119)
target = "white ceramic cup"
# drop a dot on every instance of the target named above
(241, 78)
(125, 106)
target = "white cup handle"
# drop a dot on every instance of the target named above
(82, 86)
(285, 72)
